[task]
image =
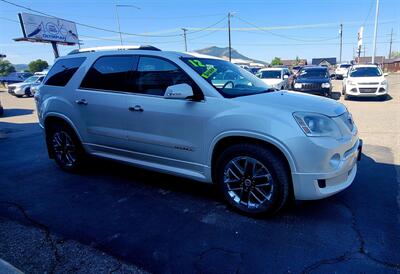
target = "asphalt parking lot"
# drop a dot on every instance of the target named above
(165, 224)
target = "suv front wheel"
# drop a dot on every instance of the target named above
(65, 147)
(252, 179)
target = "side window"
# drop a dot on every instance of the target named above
(62, 71)
(154, 75)
(111, 73)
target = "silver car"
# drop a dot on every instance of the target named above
(171, 112)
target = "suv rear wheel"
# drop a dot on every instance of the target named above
(252, 179)
(65, 147)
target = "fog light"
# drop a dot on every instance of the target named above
(334, 161)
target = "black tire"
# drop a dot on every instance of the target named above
(343, 90)
(57, 132)
(18, 96)
(28, 92)
(279, 179)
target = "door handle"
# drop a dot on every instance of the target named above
(136, 108)
(81, 102)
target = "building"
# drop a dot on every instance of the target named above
(291, 63)
(391, 65)
(327, 62)
(368, 60)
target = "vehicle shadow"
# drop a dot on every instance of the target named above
(372, 99)
(336, 95)
(10, 112)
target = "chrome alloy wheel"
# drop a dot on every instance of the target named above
(64, 148)
(248, 181)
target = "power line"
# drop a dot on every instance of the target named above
(281, 35)
(109, 30)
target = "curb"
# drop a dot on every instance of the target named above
(6, 268)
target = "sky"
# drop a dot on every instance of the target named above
(261, 29)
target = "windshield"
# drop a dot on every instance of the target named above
(271, 74)
(313, 73)
(31, 79)
(365, 72)
(345, 66)
(228, 79)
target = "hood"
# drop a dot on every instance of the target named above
(18, 85)
(295, 101)
(376, 79)
(312, 80)
(271, 81)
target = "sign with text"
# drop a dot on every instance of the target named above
(48, 29)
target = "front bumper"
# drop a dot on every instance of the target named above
(367, 90)
(320, 91)
(313, 186)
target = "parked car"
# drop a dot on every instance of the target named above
(24, 88)
(15, 77)
(365, 81)
(275, 77)
(314, 80)
(162, 111)
(341, 70)
(1, 110)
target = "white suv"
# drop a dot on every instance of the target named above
(198, 117)
(341, 71)
(275, 77)
(365, 81)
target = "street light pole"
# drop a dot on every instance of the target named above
(341, 42)
(390, 45)
(375, 31)
(229, 36)
(117, 17)
(184, 37)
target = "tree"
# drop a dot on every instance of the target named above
(395, 54)
(37, 65)
(276, 61)
(6, 67)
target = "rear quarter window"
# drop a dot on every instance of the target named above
(62, 71)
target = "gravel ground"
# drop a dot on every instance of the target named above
(32, 249)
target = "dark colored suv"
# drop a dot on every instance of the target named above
(314, 80)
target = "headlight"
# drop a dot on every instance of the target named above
(297, 85)
(317, 125)
(384, 82)
(325, 85)
(351, 83)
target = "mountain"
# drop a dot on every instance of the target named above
(20, 67)
(224, 53)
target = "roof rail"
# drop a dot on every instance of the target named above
(94, 49)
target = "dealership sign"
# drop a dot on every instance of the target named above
(38, 28)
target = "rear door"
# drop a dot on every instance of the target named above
(102, 100)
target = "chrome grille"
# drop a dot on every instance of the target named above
(310, 86)
(369, 83)
(367, 90)
(11, 89)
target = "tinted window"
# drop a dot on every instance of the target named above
(154, 75)
(111, 73)
(365, 72)
(271, 74)
(313, 73)
(63, 70)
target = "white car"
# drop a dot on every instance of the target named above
(341, 70)
(164, 111)
(365, 81)
(275, 77)
(24, 88)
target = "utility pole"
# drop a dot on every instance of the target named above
(229, 36)
(184, 37)
(364, 50)
(118, 24)
(341, 42)
(375, 31)
(390, 45)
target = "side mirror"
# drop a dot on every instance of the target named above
(386, 74)
(179, 91)
(285, 76)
